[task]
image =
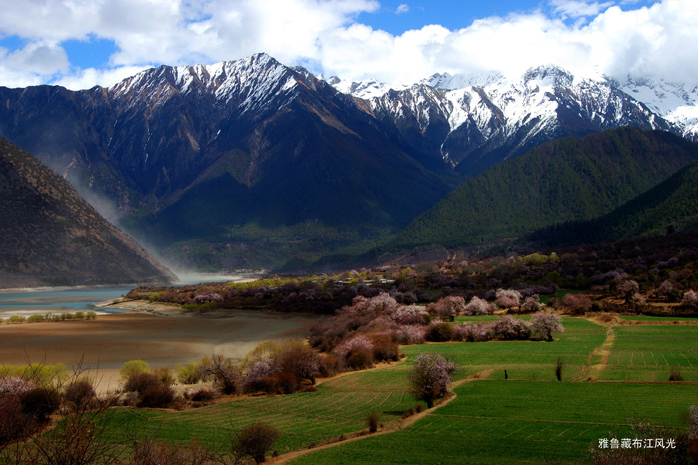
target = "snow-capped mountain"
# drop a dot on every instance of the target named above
(472, 122)
(198, 152)
(677, 103)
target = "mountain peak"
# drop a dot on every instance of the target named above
(549, 74)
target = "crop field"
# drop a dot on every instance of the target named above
(648, 353)
(497, 422)
(339, 406)
(528, 418)
(533, 360)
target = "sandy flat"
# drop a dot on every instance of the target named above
(163, 341)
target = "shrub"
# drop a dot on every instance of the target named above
(35, 318)
(226, 377)
(202, 395)
(133, 367)
(359, 359)
(157, 396)
(40, 403)
(286, 383)
(16, 319)
(300, 360)
(385, 350)
(511, 328)
(577, 303)
(675, 374)
(531, 304)
(255, 441)
(14, 423)
(165, 376)
(259, 377)
(373, 420)
(79, 393)
(409, 334)
(357, 343)
(188, 374)
(141, 382)
(439, 332)
(547, 323)
(558, 368)
(150, 452)
(90, 315)
(430, 377)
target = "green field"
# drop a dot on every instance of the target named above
(529, 418)
(648, 353)
(497, 422)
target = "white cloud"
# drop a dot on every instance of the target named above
(402, 8)
(660, 40)
(579, 8)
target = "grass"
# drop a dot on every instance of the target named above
(534, 360)
(648, 353)
(657, 319)
(304, 418)
(529, 418)
(507, 422)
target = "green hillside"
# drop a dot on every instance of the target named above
(559, 182)
(672, 204)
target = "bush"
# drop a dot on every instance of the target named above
(675, 374)
(359, 359)
(255, 441)
(133, 367)
(385, 350)
(373, 421)
(226, 377)
(165, 376)
(14, 423)
(141, 382)
(202, 395)
(150, 452)
(79, 393)
(558, 368)
(40, 403)
(157, 396)
(300, 360)
(439, 332)
(479, 306)
(188, 374)
(286, 383)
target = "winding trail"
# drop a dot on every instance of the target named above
(387, 428)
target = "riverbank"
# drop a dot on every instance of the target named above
(160, 335)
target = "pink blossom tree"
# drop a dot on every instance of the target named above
(507, 298)
(511, 328)
(430, 377)
(690, 299)
(547, 323)
(479, 306)
(448, 307)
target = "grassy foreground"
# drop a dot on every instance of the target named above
(612, 375)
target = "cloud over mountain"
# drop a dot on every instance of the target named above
(616, 38)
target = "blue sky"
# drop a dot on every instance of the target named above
(81, 43)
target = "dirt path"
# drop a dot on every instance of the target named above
(387, 428)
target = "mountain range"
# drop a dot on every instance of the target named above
(250, 164)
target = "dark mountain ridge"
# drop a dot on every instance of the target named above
(51, 237)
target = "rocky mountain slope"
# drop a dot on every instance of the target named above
(49, 236)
